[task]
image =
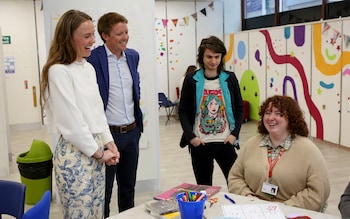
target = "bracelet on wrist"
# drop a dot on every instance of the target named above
(103, 153)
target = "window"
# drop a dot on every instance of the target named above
(288, 5)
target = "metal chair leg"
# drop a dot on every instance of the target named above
(169, 111)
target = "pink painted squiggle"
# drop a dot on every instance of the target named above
(284, 59)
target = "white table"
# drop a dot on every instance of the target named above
(139, 212)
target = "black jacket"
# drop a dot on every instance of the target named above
(187, 106)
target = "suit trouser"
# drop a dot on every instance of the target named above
(203, 158)
(125, 171)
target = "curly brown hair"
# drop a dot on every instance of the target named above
(290, 109)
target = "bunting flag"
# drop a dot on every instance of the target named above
(335, 34)
(186, 20)
(325, 27)
(195, 17)
(174, 21)
(165, 22)
(204, 11)
(347, 40)
(211, 5)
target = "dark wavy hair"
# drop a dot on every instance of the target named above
(290, 109)
(214, 44)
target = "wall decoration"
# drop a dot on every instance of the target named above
(257, 64)
(345, 88)
(186, 18)
(325, 82)
(309, 62)
(299, 71)
(275, 60)
(179, 30)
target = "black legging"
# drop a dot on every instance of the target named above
(203, 158)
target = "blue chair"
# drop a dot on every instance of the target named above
(12, 196)
(41, 209)
(169, 106)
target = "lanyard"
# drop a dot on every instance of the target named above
(273, 163)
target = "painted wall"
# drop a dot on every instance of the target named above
(345, 88)
(310, 62)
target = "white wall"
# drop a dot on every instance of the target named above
(177, 44)
(4, 137)
(17, 109)
(17, 20)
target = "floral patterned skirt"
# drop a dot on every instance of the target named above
(80, 181)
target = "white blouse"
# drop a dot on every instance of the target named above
(74, 107)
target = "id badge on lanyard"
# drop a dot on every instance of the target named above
(268, 187)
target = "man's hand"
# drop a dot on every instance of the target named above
(115, 155)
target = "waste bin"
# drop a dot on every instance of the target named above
(35, 167)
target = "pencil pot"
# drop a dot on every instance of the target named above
(191, 204)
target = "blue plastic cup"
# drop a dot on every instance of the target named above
(191, 209)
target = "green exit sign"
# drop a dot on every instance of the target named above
(6, 39)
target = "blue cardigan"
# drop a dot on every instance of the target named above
(98, 59)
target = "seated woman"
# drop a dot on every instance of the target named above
(281, 164)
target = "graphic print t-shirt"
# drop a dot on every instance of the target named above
(211, 123)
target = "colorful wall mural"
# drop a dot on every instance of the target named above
(309, 62)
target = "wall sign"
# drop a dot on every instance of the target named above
(9, 64)
(6, 40)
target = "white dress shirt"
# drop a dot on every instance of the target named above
(120, 107)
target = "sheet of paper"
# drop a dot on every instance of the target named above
(253, 211)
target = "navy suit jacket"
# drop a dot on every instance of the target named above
(98, 59)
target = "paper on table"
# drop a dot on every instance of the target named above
(224, 218)
(253, 211)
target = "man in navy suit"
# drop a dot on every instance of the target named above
(119, 84)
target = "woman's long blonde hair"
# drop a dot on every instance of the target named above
(62, 50)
